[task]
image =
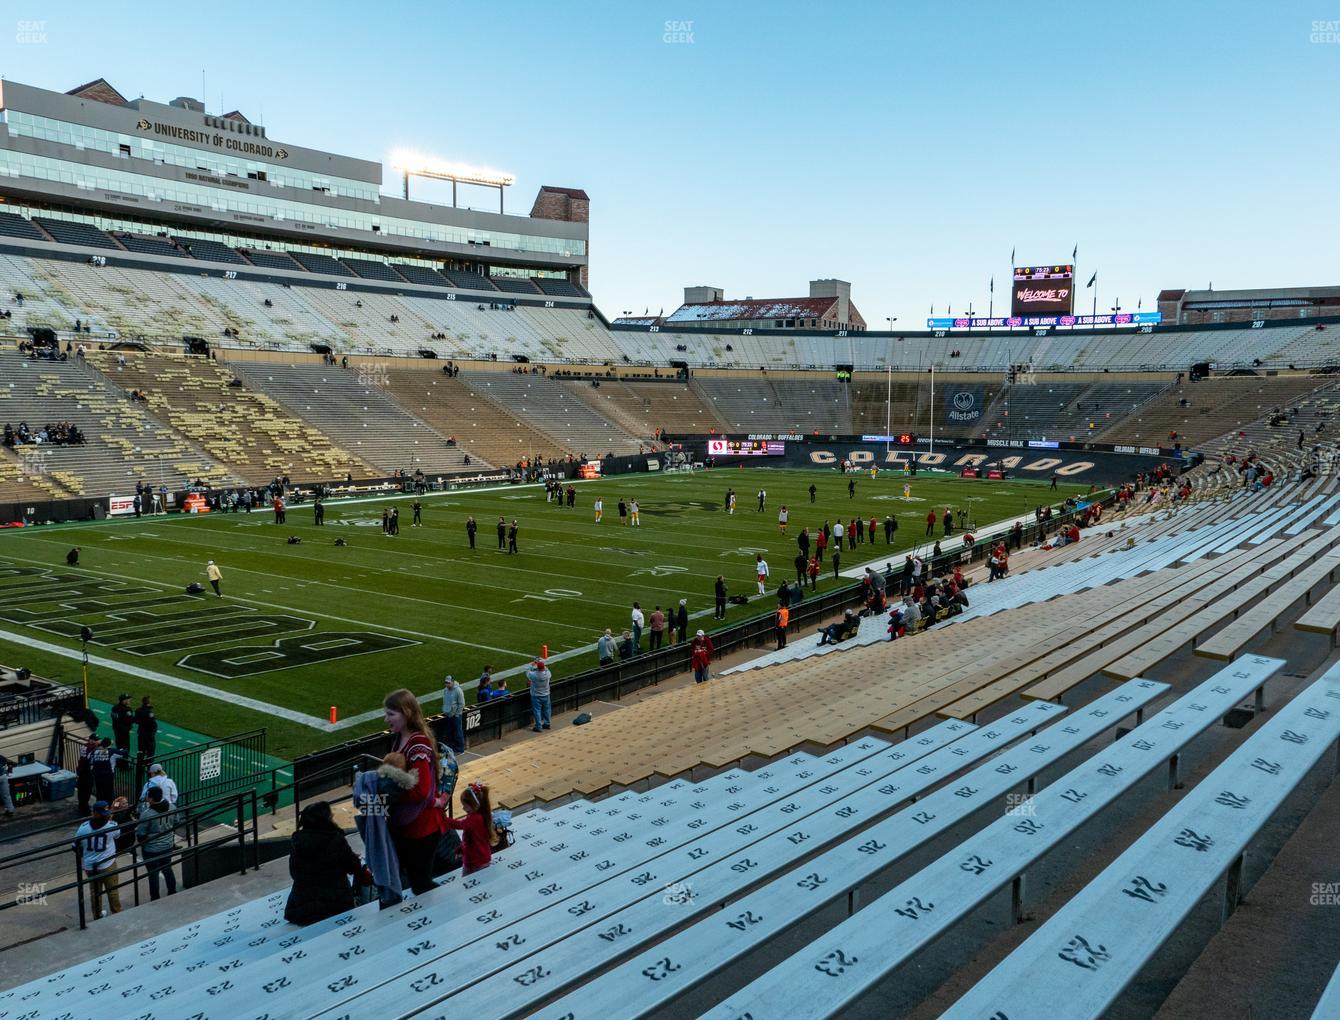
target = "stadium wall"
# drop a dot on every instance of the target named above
(1018, 460)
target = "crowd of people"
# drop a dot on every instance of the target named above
(114, 826)
(61, 433)
(408, 821)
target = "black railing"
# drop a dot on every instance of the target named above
(206, 770)
(40, 705)
(240, 808)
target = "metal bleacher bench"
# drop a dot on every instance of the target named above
(841, 966)
(258, 928)
(1094, 946)
(648, 982)
(543, 870)
(1228, 642)
(666, 868)
(1323, 617)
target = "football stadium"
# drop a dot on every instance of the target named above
(389, 627)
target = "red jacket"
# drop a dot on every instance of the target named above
(700, 652)
(476, 843)
(418, 754)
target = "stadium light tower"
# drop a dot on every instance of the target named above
(415, 164)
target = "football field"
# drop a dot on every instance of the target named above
(304, 627)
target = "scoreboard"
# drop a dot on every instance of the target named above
(745, 448)
(897, 439)
(1043, 290)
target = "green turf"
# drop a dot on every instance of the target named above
(456, 609)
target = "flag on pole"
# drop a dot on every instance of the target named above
(1139, 304)
(993, 284)
(1074, 255)
(1012, 250)
(1093, 279)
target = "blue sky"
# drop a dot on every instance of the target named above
(904, 147)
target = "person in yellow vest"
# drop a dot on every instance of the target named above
(215, 575)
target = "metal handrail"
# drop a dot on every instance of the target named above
(246, 828)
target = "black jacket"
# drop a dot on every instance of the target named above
(682, 620)
(146, 721)
(320, 864)
(123, 718)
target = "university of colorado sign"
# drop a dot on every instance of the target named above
(215, 138)
(953, 461)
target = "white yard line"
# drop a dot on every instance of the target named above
(293, 609)
(173, 681)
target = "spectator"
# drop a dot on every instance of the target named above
(6, 798)
(657, 628)
(477, 826)
(155, 830)
(682, 619)
(605, 648)
(783, 621)
(539, 678)
(840, 631)
(637, 620)
(700, 657)
(95, 839)
(158, 779)
(625, 648)
(453, 714)
(319, 864)
(414, 821)
(497, 690)
(483, 685)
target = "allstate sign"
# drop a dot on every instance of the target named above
(963, 405)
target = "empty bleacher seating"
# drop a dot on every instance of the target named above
(14, 225)
(74, 232)
(371, 270)
(420, 275)
(209, 251)
(350, 403)
(270, 259)
(559, 288)
(315, 262)
(468, 280)
(547, 406)
(123, 443)
(249, 432)
(146, 245)
(515, 284)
